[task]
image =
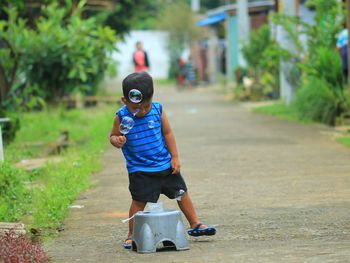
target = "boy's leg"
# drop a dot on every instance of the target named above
(135, 207)
(189, 211)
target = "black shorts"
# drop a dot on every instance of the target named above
(147, 186)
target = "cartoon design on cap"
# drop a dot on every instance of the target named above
(135, 96)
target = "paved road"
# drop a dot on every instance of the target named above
(277, 191)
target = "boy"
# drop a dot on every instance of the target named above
(150, 152)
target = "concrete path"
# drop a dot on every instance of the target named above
(277, 191)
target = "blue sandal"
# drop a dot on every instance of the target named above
(126, 244)
(197, 231)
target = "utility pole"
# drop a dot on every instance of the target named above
(243, 28)
(2, 120)
(287, 91)
(195, 5)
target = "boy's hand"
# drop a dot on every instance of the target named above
(118, 141)
(175, 164)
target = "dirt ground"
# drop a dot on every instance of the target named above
(277, 191)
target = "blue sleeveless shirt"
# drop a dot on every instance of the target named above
(145, 148)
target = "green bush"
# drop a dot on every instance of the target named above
(54, 186)
(68, 54)
(263, 55)
(326, 64)
(259, 41)
(61, 55)
(321, 96)
(14, 197)
(316, 101)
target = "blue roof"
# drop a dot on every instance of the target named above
(212, 19)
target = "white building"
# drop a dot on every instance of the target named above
(155, 43)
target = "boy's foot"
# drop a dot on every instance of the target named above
(201, 230)
(128, 243)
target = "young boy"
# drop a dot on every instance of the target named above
(150, 152)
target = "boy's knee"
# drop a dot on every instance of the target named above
(138, 203)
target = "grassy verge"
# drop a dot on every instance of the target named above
(282, 111)
(289, 113)
(41, 198)
(345, 141)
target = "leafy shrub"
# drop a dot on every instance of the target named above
(13, 195)
(10, 128)
(259, 41)
(315, 100)
(326, 64)
(68, 54)
(321, 96)
(20, 248)
(262, 55)
(63, 54)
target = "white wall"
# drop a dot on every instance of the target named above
(154, 43)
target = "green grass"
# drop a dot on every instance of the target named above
(14, 197)
(344, 140)
(39, 129)
(42, 198)
(282, 111)
(289, 113)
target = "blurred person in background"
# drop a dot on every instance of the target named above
(181, 73)
(342, 46)
(190, 73)
(140, 58)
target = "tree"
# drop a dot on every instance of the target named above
(177, 18)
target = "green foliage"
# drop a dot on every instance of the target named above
(329, 21)
(211, 4)
(82, 126)
(14, 37)
(144, 14)
(326, 65)
(65, 181)
(75, 53)
(316, 101)
(262, 55)
(178, 19)
(321, 96)
(294, 27)
(14, 197)
(54, 187)
(259, 41)
(9, 128)
(290, 112)
(345, 141)
(131, 14)
(287, 112)
(62, 55)
(120, 15)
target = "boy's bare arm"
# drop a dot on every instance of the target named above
(116, 138)
(170, 143)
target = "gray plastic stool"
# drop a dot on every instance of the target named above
(152, 228)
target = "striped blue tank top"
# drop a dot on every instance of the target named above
(145, 148)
